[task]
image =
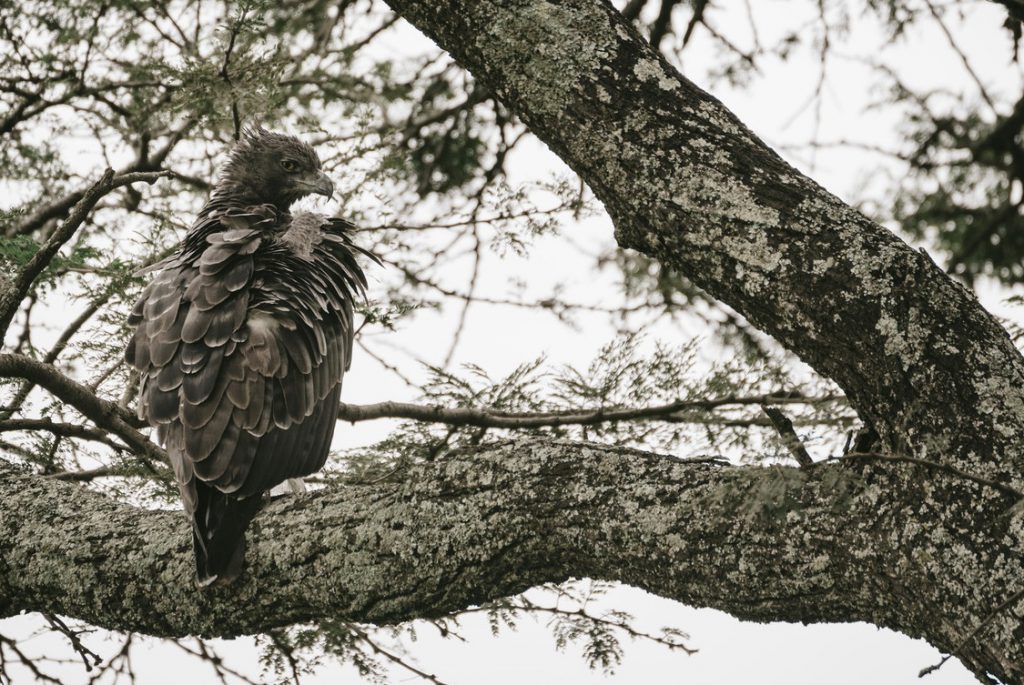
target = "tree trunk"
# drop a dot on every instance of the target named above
(686, 182)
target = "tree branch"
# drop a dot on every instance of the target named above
(67, 430)
(23, 280)
(481, 525)
(104, 413)
(687, 183)
(987, 482)
(132, 174)
(784, 425)
(493, 418)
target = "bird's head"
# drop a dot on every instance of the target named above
(269, 167)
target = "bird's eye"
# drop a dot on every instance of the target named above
(289, 166)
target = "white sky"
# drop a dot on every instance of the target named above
(498, 338)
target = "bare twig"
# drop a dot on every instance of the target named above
(663, 22)
(214, 660)
(875, 456)
(784, 426)
(460, 327)
(236, 118)
(697, 18)
(1014, 598)
(104, 413)
(89, 657)
(67, 430)
(391, 656)
(491, 418)
(26, 661)
(963, 58)
(288, 652)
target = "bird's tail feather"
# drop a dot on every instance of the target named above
(218, 533)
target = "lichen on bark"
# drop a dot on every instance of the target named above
(687, 183)
(842, 542)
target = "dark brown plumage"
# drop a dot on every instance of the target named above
(242, 340)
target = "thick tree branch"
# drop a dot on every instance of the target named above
(104, 413)
(689, 184)
(922, 362)
(476, 526)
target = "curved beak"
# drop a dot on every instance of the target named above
(322, 185)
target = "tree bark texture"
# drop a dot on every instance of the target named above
(686, 182)
(826, 543)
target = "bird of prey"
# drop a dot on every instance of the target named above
(242, 339)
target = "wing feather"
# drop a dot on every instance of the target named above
(200, 384)
(242, 345)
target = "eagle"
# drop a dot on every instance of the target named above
(241, 341)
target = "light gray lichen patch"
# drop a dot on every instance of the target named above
(715, 115)
(647, 69)
(892, 336)
(820, 266)
(1001, 398)
(559, 47)
(710, 192)
(871, 267)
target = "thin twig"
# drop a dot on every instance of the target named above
(697, 18)
(790, 439)
(89, 657)
(492, 418)
(236, 118)
(288, 652)
(391, 656)
(963, 58)
(875, 456)
(1014, 598)
(67, 430)
(26, 661)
